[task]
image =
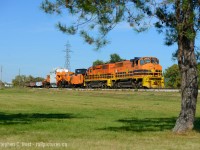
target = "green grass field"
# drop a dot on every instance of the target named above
(69, 119)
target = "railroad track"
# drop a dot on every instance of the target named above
(134, 90)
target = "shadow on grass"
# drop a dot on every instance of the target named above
(148, 125)
(7, 119)
(144, 125)
(197, 124)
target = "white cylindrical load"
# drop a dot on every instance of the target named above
(62, 70)
(52, 78)
(53, 75)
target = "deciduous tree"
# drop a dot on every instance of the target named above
(22, 80)
(98, 62)
(172, 77)
(115, 58)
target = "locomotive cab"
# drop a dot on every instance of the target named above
(80, 71)
(77, 79)
(151, 65)
(152, 72)
(135, 61)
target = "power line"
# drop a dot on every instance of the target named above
(67, 56)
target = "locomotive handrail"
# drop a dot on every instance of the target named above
(123, 75)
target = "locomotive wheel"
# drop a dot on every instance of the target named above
(133, 85)
(119, 85)
(139, 85)
(115, 85)
(60, 85)
(88, 86)
(103, 85)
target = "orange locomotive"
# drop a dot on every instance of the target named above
(135, 73)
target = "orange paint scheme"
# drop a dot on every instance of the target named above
(137, 72)
(63, 77)
(141, 64)
(101, 69)
(77, 79)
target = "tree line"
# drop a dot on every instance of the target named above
(173, 76)
(23, 80)
(113, 58)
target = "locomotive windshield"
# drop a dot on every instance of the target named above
(149, 60)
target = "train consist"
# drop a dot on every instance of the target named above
(140, 72)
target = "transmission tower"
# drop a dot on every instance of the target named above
(67, 56)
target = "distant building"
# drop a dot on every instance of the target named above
(8, 85)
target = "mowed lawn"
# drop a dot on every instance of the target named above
(104, 120)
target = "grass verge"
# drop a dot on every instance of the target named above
(60, 119)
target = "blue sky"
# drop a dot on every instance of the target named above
(29, 41)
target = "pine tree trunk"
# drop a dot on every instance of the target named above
(189, 92)
(189, 84)
(187, 65)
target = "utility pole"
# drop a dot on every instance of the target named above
(1, 83)
(19, 77)
(1, 73)
(67, 56)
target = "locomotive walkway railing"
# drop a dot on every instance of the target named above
(130, 74)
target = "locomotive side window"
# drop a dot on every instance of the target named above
(142, 62)
(154, 61)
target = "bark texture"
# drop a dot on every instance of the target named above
(187, 66)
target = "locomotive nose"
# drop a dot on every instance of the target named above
(150, 67)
